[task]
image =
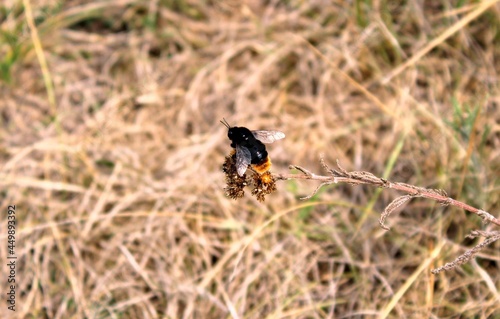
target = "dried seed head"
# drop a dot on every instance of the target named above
(264, 184)
(235, 183)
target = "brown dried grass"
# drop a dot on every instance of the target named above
(118, 186)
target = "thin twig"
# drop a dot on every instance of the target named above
(366, 178)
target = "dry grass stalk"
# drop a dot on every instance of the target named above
(491, 237)
(367, 178)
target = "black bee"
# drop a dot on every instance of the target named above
(250, 148)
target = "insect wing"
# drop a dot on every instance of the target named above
(243, 159)
(268, 136)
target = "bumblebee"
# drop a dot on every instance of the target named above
(250, 148)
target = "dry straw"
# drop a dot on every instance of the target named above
(110, 147)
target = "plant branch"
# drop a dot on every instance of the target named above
(340, 175)
(365, 178)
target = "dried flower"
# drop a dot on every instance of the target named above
(262, 184)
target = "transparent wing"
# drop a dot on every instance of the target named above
(243, 159)
(268, 136)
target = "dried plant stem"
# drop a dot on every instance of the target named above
(366, 178)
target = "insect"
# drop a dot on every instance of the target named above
(250, 148)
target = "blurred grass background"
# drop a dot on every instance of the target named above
(111, 149)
